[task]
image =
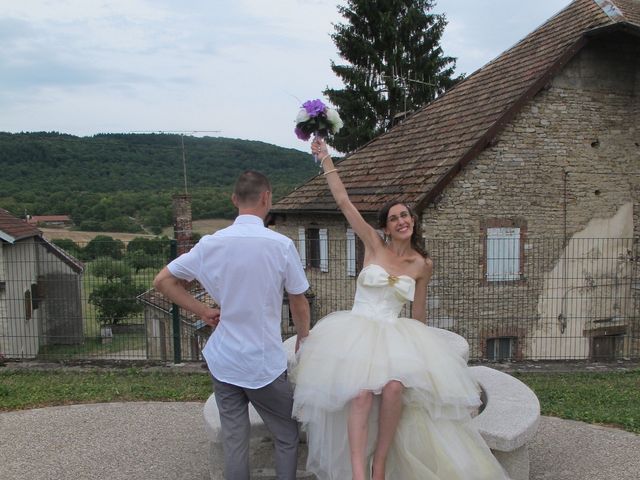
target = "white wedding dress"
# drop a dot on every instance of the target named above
(363, 349)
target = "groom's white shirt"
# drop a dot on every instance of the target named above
(245, 267)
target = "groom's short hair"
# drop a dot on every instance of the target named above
(250, 186)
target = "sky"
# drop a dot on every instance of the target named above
(228, 68)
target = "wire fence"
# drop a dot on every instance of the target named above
(517, 300)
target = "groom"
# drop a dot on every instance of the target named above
(246, 267)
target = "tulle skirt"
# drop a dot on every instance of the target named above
(346, 353)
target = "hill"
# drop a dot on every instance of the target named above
(120, 182)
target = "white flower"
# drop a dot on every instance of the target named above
(303, 116)
(334, 119)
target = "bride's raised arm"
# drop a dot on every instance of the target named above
(366, 232)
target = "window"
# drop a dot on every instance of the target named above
(503, 250)
(607, 347)
(500, 348)
(313, 248)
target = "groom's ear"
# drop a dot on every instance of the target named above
(234, 200)
(264, 197)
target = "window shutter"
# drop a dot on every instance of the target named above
(302, 247)
(503, 254)
(324, 250)
(351, 253)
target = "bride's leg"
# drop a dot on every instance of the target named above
(390, 412)
(357, 426)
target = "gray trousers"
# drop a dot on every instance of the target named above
(274, 403)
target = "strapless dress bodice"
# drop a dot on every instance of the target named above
(380, 295)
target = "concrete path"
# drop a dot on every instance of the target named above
(167, 441)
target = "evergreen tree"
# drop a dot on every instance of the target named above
(395, 66)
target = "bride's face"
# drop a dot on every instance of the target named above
(399, 223)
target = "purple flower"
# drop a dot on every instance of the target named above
(314, 107)
(302, 135)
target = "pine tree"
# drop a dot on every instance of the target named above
(396, 65)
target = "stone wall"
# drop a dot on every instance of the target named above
(569, 156)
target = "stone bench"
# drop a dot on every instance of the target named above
(508, 421)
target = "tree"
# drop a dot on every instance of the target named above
(396, 65)
(103, 246)
(139, 260)
(68, 245)
(107, 267)
(115, 299)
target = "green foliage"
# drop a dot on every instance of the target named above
(139, 260)
(103, 246)
(115, 300)
(110, 269)
(68, 246)
(118, 182)
(395, 65)
(27, 388)
(609, 398)
(150, 246)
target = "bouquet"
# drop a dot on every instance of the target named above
(316, 118)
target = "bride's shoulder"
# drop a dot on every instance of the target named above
(425, 265)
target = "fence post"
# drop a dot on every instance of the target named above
(175, 314)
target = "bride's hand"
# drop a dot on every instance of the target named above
(319, 147)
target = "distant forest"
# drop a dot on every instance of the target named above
(124, 182)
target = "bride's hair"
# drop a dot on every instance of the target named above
(417, 242)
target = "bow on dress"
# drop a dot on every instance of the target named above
(404, 286)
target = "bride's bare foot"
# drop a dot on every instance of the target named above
(377, 473)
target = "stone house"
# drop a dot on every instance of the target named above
(525, 177)
(40, 291)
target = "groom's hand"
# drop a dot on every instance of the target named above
(299, 342)
(211, 316)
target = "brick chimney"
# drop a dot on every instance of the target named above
(182, 225)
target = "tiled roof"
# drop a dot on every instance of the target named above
(13, 229)
(155, 299)
(415, 160)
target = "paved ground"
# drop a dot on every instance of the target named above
(167, 441)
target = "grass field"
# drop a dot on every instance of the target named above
(604, 398)
(203, 227)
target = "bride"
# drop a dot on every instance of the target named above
(379, 396)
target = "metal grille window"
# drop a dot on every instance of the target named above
(500, 348)
(503, 254)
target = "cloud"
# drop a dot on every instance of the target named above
(240, 66)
